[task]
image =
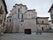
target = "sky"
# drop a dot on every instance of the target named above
(41, 6)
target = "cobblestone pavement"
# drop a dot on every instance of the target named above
(22, 36)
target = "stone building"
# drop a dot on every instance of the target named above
(51, 13)
(42, 23)
(8, 24)
(22, 18)
(30, 20)
(3, 12)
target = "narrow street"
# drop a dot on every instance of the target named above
(22, 36)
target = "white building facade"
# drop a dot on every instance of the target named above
(42, 23)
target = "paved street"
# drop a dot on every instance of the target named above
(22, 36)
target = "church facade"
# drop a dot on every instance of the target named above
(22, 18)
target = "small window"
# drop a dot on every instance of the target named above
(18, 10)
(22, 16)
(42, 28)
(42, 22)
(10, 20)
(7, 20)
(37, 21)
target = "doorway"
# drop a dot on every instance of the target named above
(27, 31)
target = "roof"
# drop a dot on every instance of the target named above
(43, 17)
(5, 6)
(51, 8)
(43, 24)
(31, 10)
(20, 5)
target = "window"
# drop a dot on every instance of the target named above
(42, 28)
(22, 18)
(18, 12)
(42, 22)
(10, 20)
(7, 20)
(37, 22)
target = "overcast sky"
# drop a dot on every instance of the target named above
(41, 6)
